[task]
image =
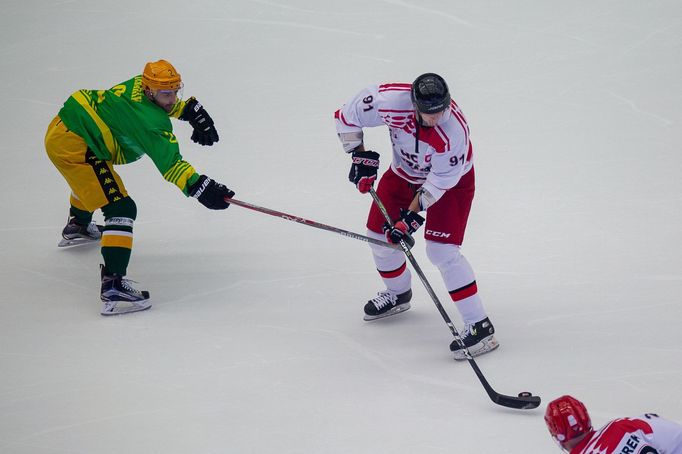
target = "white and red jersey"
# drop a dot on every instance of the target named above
(646, 434)
(435, 157)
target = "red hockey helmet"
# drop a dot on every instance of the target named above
(567, 418)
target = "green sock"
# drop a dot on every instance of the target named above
(82, 217)
(117, 237)
(116, 260)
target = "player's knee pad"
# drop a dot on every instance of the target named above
(123, 208)
(378, 250)
(442, 254)
(381, 251)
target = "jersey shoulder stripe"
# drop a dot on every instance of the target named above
(445, 138)
(394, 87)
(610, 437)
(408, 111)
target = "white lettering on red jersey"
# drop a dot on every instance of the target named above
(439, 157)
(646, 434)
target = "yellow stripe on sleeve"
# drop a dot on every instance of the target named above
(177, 109)
(109, 140)
(179, 174)
(176, 171)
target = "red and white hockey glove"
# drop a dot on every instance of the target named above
(404, 227)
(363, 170)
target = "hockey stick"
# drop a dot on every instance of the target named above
(317, 225)
(525, 400)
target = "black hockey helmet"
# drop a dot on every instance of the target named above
(430, 93)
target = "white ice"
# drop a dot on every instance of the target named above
(255, 342)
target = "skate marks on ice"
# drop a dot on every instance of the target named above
(415, 6)
(293, 281)
(592, 313)
(666, 122)
(298, 25)
(390, 364)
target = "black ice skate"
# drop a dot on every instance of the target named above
(478, 338)
(76, 234)
(119, 297)
(387, 303)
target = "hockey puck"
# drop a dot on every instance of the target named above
(525, 394)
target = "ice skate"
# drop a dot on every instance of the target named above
(120, 297)
(478, 338)
(76, 234)
(387, 303)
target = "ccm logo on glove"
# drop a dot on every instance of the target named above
(363, 170)
(404, 227)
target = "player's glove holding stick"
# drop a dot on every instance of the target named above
(210, 193)
(404, 227)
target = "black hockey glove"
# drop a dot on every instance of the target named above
(404, 227)
(202, 123)
(210, 194)
(363, 170)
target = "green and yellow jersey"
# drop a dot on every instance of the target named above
(121, 125)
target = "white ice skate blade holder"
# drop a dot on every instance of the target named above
(80, 241)
(486, 345)
(124, 307)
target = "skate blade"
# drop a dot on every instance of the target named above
(76, 242)
(118, 310)
(394, 311)
(485, 346)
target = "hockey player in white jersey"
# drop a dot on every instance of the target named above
(570, 426)
(431, 172)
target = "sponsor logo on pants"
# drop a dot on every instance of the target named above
(437, 234)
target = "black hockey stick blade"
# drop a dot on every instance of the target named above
(520, 403)
(524, 401)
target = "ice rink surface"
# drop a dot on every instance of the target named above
(255, 342)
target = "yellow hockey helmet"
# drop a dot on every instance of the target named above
(161, 75)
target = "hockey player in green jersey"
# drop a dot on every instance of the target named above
(97, 129)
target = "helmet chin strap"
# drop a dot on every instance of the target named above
(419, 118)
